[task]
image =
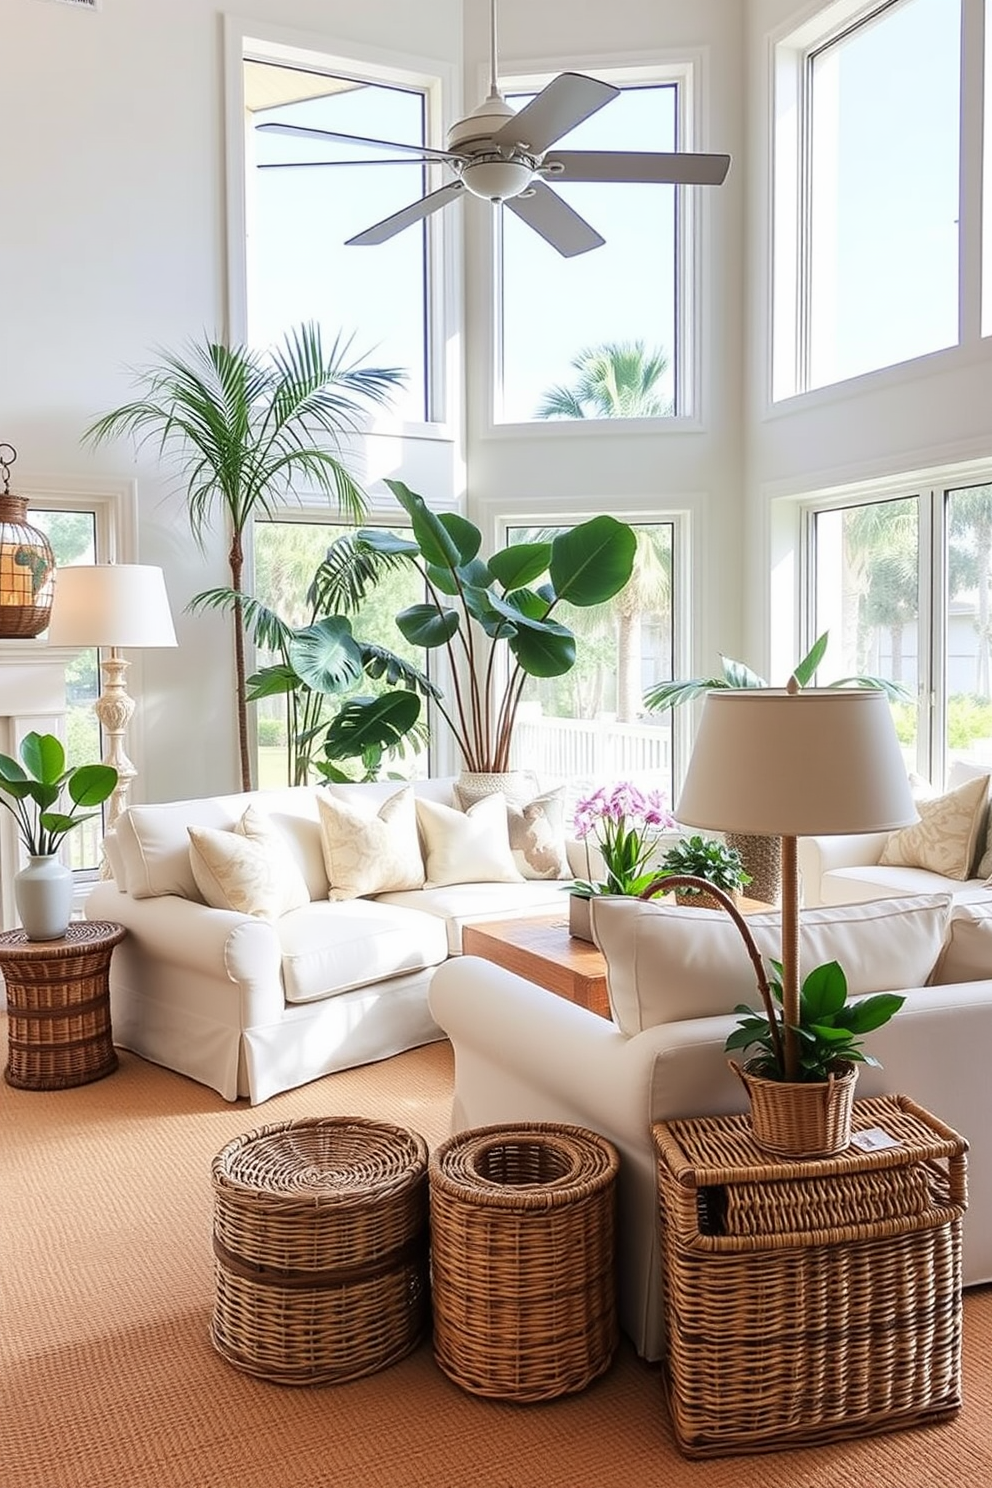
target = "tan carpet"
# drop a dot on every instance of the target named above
(109, 1379)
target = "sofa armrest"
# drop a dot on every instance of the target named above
(820, 855)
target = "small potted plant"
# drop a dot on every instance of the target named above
(707, 858)
(811, 1115)
(623, 825)
(31, 791)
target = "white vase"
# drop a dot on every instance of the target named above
(43, 895)
(518, 786)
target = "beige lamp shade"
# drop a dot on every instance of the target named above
(817, 761)
(110, 604)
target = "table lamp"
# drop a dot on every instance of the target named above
(112, 605)
(795, 762)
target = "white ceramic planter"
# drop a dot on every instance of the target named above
(43, 895)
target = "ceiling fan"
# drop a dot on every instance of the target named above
(505, 157)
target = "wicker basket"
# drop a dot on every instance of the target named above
(523, 1242)
(811, 1119)
(320, 1240)
(810, 1301)
(58, 1006)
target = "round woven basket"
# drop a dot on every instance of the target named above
(320, 1244)
(523, 1259)
(762, 859)
(802, 1119)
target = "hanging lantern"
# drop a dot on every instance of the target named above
(27, 567)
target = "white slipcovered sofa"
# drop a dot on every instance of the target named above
(252, 1003)
(523, 1054)
(949, 850)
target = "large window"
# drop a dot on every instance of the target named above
(600, 335)
(904, 586)
(867, 191)
(306, 197)
(589, 726)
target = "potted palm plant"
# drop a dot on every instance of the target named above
(31, 790)
(251, 428)
(477, 606)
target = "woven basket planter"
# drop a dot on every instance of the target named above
(320, 1240)
(523, 1259)
(805, 1119)
(762, 859)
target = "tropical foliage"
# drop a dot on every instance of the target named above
(478, 610)
(707, 858)
(829, 1032)
(616, 380)
(319, 666)
(251, 428)
(32, 789)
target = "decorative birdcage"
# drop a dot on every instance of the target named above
(27, 567)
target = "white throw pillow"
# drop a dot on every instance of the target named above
(666, 963)
(537, 831)
(945, 839)
(369, 850)
(967, 953)
(470, 846)
(959, 772)
(250, 869)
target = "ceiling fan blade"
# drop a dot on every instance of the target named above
(680, 168)
(305, 131)
(390, 226)
(303, 164)
(555, 220)
(564, 103)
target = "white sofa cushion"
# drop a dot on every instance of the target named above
(457, 904)
(946, 838)
(857, 884)
(669, 963)
(370, 850)
(967, 952)
(470, 846)
(536, 827)
(330, 948)
(250, 870)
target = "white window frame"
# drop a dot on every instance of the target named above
(791, 52)
(688, 70)
(253, 41)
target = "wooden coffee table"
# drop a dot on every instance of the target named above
(540, 948)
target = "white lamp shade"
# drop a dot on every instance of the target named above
(767, 762)
(110, 604)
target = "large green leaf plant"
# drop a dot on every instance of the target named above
(32, 789)
(319, 668)
(482, 611)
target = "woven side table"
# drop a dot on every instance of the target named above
(809, 1300)
(523, 1259)
(58, 1006)
(320, 1245)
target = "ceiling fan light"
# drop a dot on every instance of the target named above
(496, 180)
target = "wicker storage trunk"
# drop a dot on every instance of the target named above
(808, 1300)
(320, 1244)
(523, 1259)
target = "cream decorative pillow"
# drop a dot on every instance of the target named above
(537, 832)
(946, 837)
(959, 772)
(470, 846)
(250, 870)
(665, 963)
(967, 953)
(369, 851)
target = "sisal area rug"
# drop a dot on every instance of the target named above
(108, 1378)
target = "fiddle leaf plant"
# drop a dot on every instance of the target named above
(32, 789)
(830, 1028)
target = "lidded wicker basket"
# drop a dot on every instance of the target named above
(320, 1239)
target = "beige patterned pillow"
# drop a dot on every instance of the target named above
(369, 851)
(250, 870)
(946, 837)
(537, 832)
(470, 846)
